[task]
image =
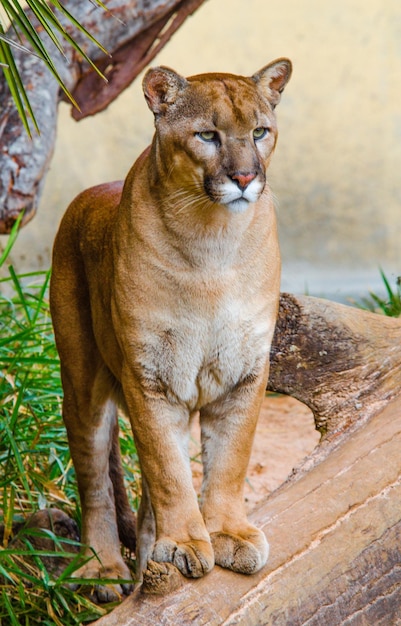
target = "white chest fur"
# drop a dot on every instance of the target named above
(196, 358)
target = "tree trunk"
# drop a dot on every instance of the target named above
(132, 31)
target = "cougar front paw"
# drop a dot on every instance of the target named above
(244, 554)
(104, 592)
(192, 558)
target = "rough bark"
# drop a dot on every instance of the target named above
(342, 362)
(132, 31)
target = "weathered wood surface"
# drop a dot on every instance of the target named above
(341, 361)
(335, 558)
(132, 31)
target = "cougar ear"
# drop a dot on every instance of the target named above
(273, 78)
(161, 85)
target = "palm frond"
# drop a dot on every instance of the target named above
(58, 35)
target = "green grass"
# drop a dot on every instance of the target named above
(34, 457)
(389, 304)
(36, 471)
(31, 595)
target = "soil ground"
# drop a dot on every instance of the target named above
(285, 435)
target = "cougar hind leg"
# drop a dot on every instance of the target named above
(91, 424)
(126, 520)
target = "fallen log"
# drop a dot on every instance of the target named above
(334, 527)
(344, 363)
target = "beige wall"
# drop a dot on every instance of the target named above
(337, 168)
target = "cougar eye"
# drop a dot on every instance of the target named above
(260, 132)
(209, 135)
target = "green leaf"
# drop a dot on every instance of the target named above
(391, 305)
(11, 239)
(13, 617)
(17, 90)
(80, 27)
(19, 290)
(18, 46)
(52, 26)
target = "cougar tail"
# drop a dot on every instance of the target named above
(126, 519)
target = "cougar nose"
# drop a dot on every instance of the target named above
(243, 179)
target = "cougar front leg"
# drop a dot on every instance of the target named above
(227, 431)
(146, 530)
(161, 436)
(90, 423)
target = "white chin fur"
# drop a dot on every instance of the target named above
(238, 202)
(238, 206)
